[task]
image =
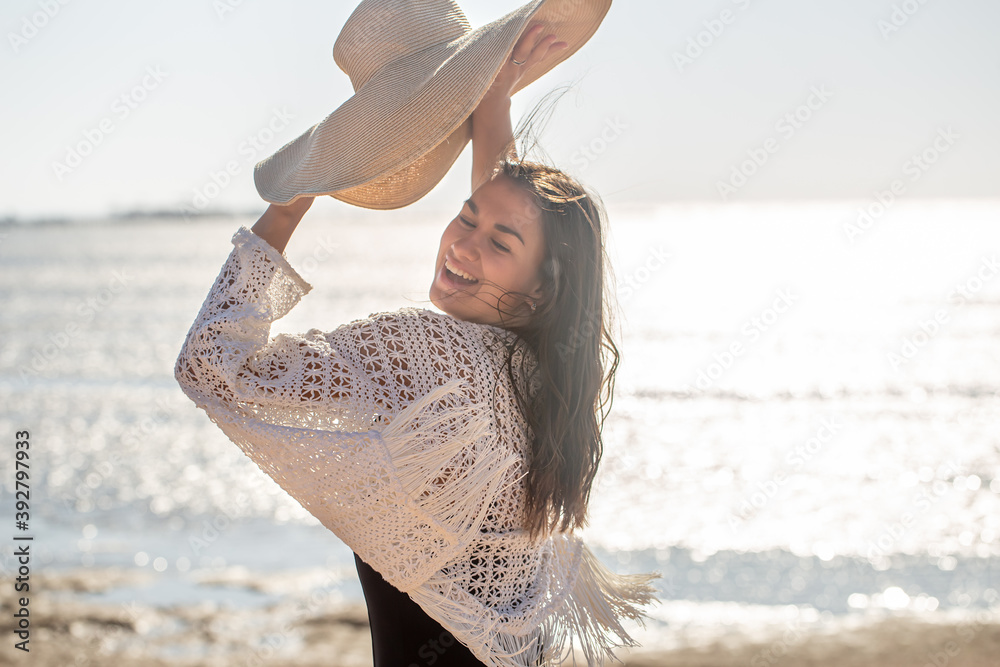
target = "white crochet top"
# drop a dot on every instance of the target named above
(400, 433)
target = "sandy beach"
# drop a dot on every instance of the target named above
(308, 631)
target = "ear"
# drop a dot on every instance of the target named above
(536, 292)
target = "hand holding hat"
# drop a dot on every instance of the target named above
(419, 70)
(528, 52)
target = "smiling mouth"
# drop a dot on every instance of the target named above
(457, 278)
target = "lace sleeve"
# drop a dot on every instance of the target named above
(228, 361)
(408, 493)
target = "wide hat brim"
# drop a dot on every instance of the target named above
(391, 142)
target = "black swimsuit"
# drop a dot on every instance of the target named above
(403, 635)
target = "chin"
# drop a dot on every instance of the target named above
(446, 304)
(442, 301)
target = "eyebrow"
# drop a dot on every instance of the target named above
(500, 227)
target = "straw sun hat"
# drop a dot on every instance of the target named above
(419, 71)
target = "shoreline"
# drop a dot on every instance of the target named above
(310, 629)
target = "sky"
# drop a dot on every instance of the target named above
(705, 101)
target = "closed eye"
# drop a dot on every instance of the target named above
(501, 247)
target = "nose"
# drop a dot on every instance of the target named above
(464, 247)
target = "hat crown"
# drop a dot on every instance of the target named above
(379, 32)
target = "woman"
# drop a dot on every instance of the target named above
(453, 452)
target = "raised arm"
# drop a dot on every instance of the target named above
(278, 222)
(492, 133)
(229, 364)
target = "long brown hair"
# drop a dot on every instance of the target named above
(575, 356)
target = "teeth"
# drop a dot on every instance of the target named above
(457, 271)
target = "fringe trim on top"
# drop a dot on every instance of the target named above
(586, 611)
(598, 598)
(411, 496)
(416, 448)
(423, 441)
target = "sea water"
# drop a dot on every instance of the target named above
(806, 415)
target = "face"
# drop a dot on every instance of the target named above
(495, 245)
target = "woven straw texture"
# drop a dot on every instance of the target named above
(419, 71)
(385, 429)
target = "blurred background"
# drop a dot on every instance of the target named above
(803, 210)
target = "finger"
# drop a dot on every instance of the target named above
(558, 46)
(526, 44)
(544, 47)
